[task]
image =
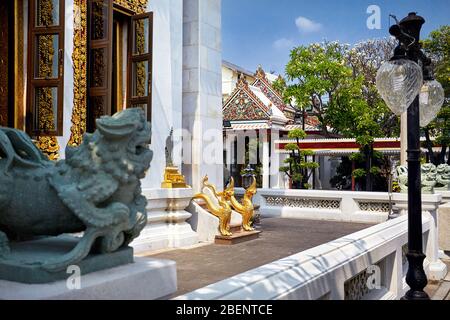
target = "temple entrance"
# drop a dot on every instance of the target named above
(119, 60)
(7, 63)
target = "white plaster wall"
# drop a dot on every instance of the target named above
(228, 81)
(68, 76)
(167, 82)
(202, 91)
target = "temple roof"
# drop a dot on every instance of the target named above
(260, 104)
(258, 101)
(246, 103)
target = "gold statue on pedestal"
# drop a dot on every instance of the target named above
(246, 208)
(172, 177)
(222, 210)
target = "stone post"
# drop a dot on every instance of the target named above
(275, 174)
(265, 159)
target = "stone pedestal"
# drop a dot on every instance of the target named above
(24, 264)
(166, 224)
(145, 279)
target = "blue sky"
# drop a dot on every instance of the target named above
(263, 31)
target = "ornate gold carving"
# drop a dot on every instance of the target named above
(79, 58)
(137, 6)
(141, 75)
(222, 210)
(245, 209)
(119, 53)
(44, 96)
(49, 146)
(18, 67)
(173, 179)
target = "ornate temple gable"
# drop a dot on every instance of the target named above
(243, 104)
(265, 86)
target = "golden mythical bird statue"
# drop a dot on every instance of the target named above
(221, 211)
(245, 209)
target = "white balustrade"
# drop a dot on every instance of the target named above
(364, 207)
(369, 264)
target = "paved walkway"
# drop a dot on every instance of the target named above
(206, 264)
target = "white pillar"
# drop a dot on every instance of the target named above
(265, 159)
(274, 161)
(202, 91)
(436, 269)
(403, 139)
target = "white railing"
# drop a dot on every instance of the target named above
(365, 207)
(340, 269)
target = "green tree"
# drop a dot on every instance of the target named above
(363, 114)
(437, 46)
(317, 75)
(280, 86)
(297, 168)
(339, 85)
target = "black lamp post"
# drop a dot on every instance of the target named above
(416, 277)
(399, 81)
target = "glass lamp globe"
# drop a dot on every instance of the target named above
(431, 99)
(399, 82)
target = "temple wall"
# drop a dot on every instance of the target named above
(167, 82)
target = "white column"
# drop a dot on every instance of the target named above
(265, 159)
(436, 269)
(202, 91)
(403, 139)
(274, 161)
(229, 138)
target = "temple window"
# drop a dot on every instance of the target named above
(45, 68)
(119, 53)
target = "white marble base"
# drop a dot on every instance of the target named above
(205, 224)
(145, 279)
(166, 222)
(436, 270)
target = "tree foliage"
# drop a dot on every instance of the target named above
(437, 46)
(297, 168)
(338, 82)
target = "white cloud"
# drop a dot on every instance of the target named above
(306, 25)
(283, 43)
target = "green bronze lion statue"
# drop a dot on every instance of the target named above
(96, 190)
